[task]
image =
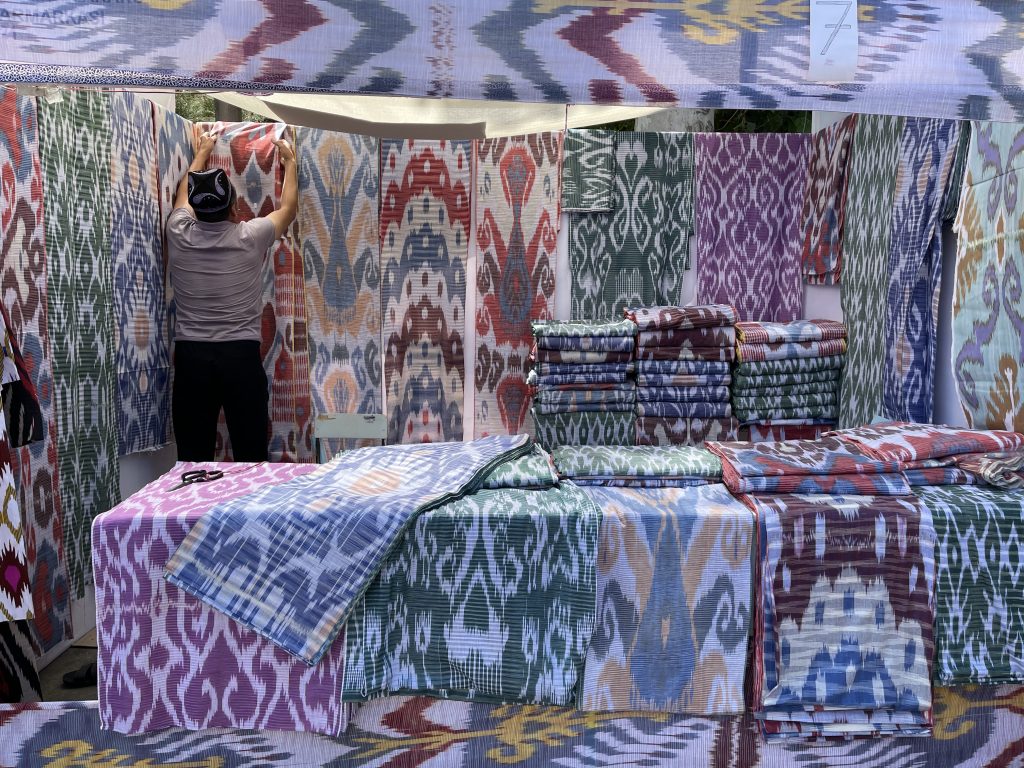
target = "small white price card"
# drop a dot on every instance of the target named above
(833, 41)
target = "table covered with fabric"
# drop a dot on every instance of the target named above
(166, 659)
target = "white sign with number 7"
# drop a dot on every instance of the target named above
(833, 41)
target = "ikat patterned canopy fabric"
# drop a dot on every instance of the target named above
(954, 59)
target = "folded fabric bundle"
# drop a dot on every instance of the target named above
(573, 369)
(790, 350)
(591, 396)
(583, 407)
(585, 378)
(892, 484)
(720, 336)
(799, 330)
(902, 441)
(654, 430)
(626, 386)
(979, 617)
(817, 412)
(673, 602)
(535, 470)
(444, 596)
(941, 476)
(578, 357)
(683, 380)
(333, 528)
(773, 431)
(584, 428)
(543, 328)
(683, 394)
(844, 627)
(584, 463)
(743, 380)
(723, 354)
(587, 343)
(1003, 469)
(685, 410)
(703, 316)
(683, 367)
(787, 400)
(813, 388)
(795, 365)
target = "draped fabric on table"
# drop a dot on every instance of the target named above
(339, 187)
(24, 282)
(142, 351)
(167, 660)
(74, 145)
(979, 617)
(927, 152)
(635, 254)
(425, 228)
(975, 727)
(749, 195)
(866, 241)
(673, 597)
(517, 193)
(824, 211)
(335, 528)
(484, 631)
(247, 153)
(174, 137)
(950, 59)
(988, 327)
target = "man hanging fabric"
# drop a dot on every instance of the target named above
(217, 264)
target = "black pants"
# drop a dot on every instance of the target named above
(212, 375)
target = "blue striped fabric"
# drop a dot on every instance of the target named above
(290, 561)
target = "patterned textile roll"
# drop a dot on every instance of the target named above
(913, 442)
(1001, 469)
(683, 394)
(786, 367)
(716, 336)
(757, 380)
(577, 358)
(584, 328)
(775, 402)
(799, 330)
(722, 354)
(789, 350)
(689, 367)
(818, 412)
(587, 343)
(703, 316)
(652, 430)
(587, 428)
(788, 390)
(683, 380)
(685, 410)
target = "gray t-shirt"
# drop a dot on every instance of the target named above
(217, 276)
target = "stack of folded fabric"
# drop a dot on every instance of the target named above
(683, 360)
(845, 608)
(786, 377)
(584, 392)
(640, 466)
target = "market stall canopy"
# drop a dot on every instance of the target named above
(948, 58)
(413, 118)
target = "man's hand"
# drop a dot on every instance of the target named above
(285, 150)
(206, 144)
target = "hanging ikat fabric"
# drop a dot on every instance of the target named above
(339, 188)
(516, 203)
(927, 151)
(988, 323)
(74, 144)
(24, 281)
(869, 200)
(247, 154)
(15, 587)
(425, 229)
(588, 171)
(824, 211)
(142, 349)
(749, 194)
(635, 254)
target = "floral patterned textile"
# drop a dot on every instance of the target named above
(484, 632)
(750, 190)
(339, 525)
(788, 350)
(987, 329)
(673, 598)
(824, 213)
(585, 428)
(517, 194)
(798, 330)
